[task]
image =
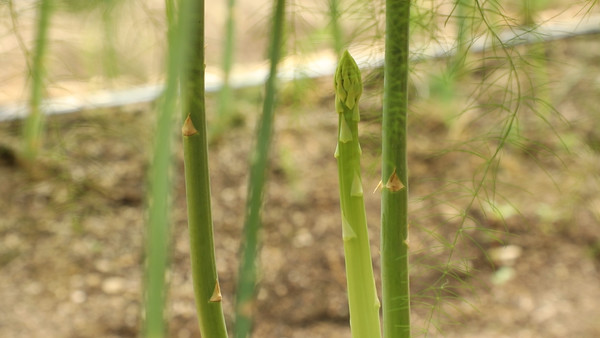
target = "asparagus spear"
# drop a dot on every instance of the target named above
(362, 295)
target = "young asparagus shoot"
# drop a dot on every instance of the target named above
(362, 295)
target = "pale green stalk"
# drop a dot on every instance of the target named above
(394, 198)
(530, 9)
(34, 124)
(171, 11)
(157, 241)
(244, 307)
(362, 294)
(336, 30)
(109, 58)
(537, 61)
(225, 95)
(458, 60)
(195, 147)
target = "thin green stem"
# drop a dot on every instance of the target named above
(204, 272)
(15, 28)
(336, 30)
(362, 294)
(225, 93)
(457, 62)
(110, 57)
(158, 231)
(528, 12)
(34, 124)
(259, 160)
(394, 200)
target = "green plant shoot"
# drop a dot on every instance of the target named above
(362, 295)
(35, 121)
(244, 309)
(207, 290)
(395, 288)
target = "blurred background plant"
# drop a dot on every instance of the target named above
(34, 123)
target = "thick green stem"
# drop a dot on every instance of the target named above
(204, 272)
(259, 160)
(394, 200)
(362, 294)
(34, 123)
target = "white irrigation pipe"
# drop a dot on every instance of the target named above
(322, 66)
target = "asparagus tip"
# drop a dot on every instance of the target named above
(347, 82)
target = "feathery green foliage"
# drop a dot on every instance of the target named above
(362, 294)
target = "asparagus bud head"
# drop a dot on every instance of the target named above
(347, 83)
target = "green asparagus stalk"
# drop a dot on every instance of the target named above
(394, 198)
(336, 30)
(197, 183)
(225, 95)
(34, 123)
(179, 34)
(258, 170)
(362, 295)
